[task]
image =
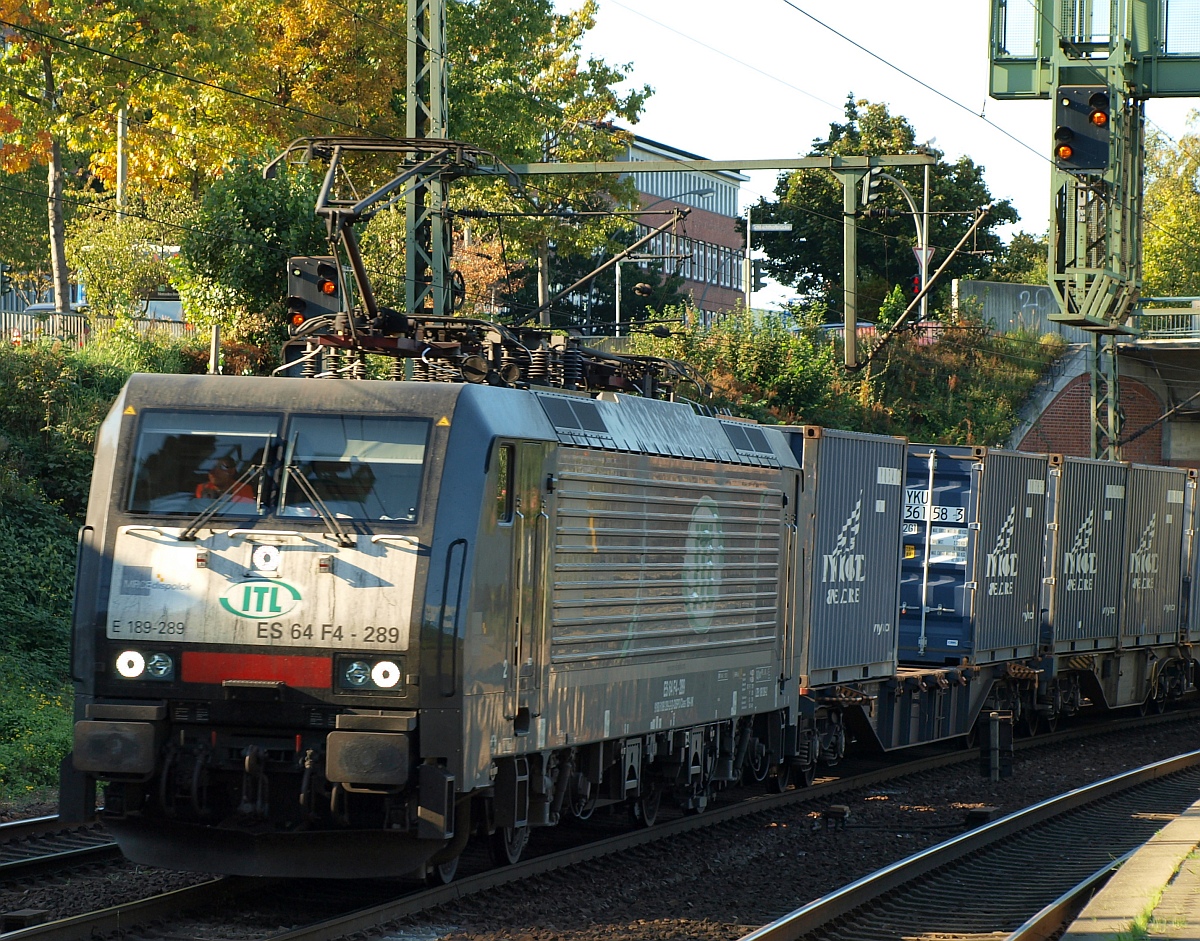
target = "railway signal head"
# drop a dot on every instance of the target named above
(313, 289)
(1081, 128)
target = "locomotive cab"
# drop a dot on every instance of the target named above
(250, 600)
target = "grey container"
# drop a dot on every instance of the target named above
(1155, 524)
(850, 507)
(1085, 553)
(1010, 547)
(1191, 566)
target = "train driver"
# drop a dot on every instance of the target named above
(220, 476)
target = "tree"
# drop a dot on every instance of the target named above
(1171, 210)
(232, 267)
(120, 259)
(68, 67)
(810, 257)
(1023, 260)
(521, 60)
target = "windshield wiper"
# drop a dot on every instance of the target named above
(343, 537)
(291, 472)
(221, 500)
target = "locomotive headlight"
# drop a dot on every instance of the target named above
(131, 664)
(385, 674)
(160, 666)
(357, 673)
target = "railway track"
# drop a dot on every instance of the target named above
(1041, 856)
(388, 902)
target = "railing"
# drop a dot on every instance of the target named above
(78, 329)
(1169, 323)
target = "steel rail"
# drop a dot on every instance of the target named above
(1047, 923)
(30, 826)
(871, 888)
(123, 917)
(14, 869)
(158, 907)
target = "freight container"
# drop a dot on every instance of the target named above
(974, 530)
(850, 506)
(1154, 535)
(1191, 567)
(1085, 553)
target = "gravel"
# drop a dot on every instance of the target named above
(715, 886)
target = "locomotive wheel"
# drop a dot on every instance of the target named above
(644, 809)
(781, 779)
(442, 874)
(804, 775)
(1031, 722)
(758, 765)
(507, 844)
(1050, 719)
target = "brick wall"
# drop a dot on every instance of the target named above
(1065, 425)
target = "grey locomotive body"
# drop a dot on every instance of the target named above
(426, 609)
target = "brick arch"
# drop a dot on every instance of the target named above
(1065, 424)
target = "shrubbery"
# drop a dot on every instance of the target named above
(52, 399)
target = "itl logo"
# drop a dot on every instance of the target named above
(1143, 561)
(844, 565)
(1079, 562)
(260, 599)
(1002, 564)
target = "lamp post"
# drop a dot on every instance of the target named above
(921, 223)
(702, 192)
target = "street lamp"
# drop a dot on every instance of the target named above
(702, 192)
(921, 224)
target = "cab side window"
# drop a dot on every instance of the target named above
(505, 464)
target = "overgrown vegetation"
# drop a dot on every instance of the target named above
(961, 385)
(52, 398)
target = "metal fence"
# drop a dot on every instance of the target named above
(18, 328)
(1011, 307)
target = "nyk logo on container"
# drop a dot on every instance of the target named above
(844, 564)
(1079, 563)
(1143, 561)
(256, 599)
(1002, 564)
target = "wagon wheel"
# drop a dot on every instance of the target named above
(644, 809)
(970, 741)
(1050, 720)
(807, 774)
(442, 874)
(1031, 721)
(1156, 702)
(507, 844)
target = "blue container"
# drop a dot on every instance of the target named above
(941, 514)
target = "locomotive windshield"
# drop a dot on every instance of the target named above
(185, 461)
(360, 468)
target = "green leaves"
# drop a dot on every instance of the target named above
(810, 257)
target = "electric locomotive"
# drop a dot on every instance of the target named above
(416, 611)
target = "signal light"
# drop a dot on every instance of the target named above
(916, 285)
(313, 289)
(1081, 128)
